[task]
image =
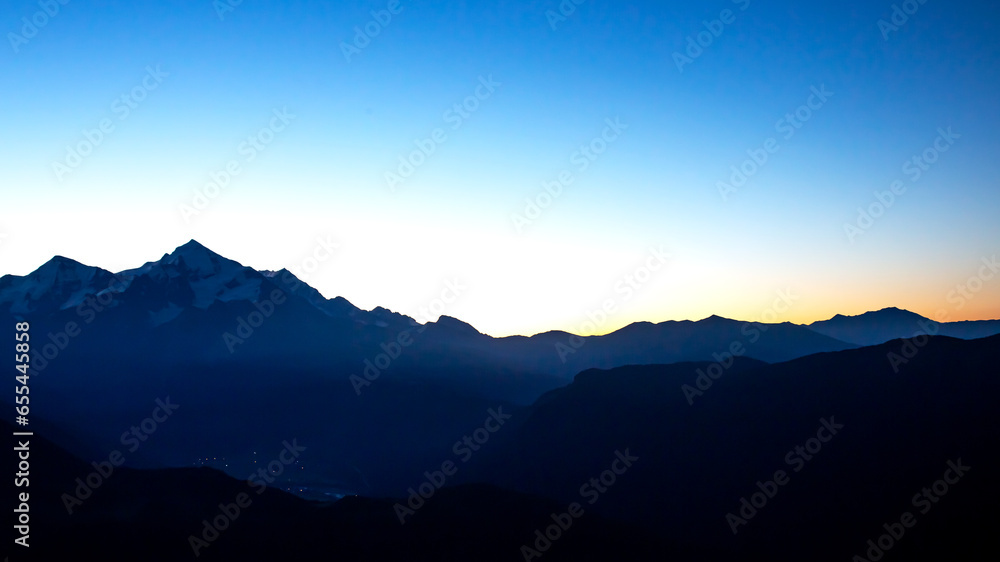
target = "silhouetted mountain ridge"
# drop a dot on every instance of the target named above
(875, 327)
(696, 459)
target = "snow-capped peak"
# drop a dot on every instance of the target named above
(64, 282)
(210, 276)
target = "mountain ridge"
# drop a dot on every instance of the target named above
(879, 326)
(226, 280)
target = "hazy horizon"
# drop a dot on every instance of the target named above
(780, 307)
(869, 152)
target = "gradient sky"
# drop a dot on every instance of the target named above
(655, 186)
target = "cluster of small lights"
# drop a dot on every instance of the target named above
(210, 460)
(213, 460)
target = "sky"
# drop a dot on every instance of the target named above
(559, 162)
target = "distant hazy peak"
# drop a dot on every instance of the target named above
(457, 325)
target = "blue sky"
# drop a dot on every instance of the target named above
(200, 81)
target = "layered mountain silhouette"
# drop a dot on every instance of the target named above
(155, 515)
(255, 359)
(890, 442)
(195, 294)
(696, 461)
(872, 328)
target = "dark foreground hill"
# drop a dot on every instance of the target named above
(188, 514)
(860, 438)
(804, 460)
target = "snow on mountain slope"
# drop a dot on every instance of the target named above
(192, 276)
(59, 284)
(210, 276)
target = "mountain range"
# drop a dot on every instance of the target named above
(195, 288)
(708, 411)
